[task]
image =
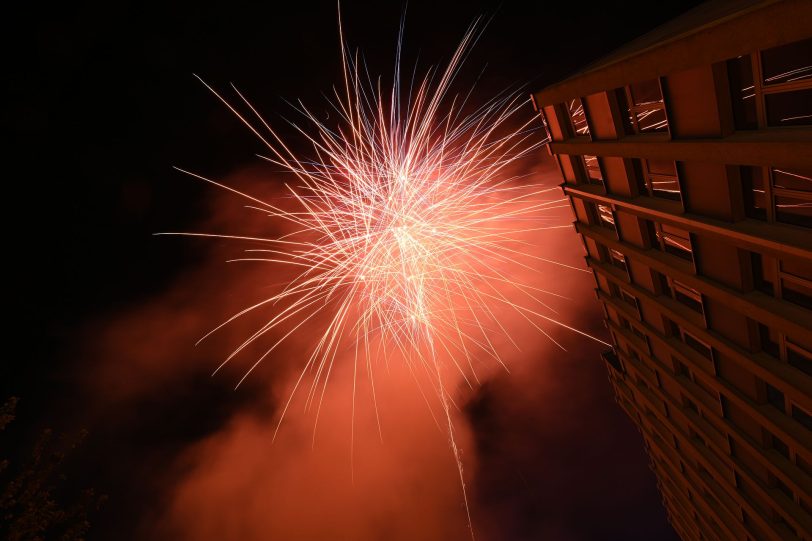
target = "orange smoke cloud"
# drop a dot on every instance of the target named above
(237, 482)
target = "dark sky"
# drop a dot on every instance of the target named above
(101, 102)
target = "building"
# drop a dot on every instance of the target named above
(687, 158)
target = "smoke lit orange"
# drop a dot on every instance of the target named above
(406, 227)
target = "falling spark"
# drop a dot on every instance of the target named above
(407, 230)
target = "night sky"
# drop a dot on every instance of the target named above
(102, 102)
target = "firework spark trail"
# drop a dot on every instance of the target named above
(405, 216)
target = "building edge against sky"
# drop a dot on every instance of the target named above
(687, 158)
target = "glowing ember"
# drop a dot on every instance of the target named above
(407, 228)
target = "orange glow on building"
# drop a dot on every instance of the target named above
(687, 157)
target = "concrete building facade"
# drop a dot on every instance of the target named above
(687, 158)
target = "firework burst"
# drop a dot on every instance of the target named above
(406, 227)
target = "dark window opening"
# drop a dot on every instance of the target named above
(659, 179)
(793, 211)
(755, 196)
(628, 298)
(775, 397)
(639, 334)
(593, 170)
(606, 217)
(796, 282)
(780, 446)
(577, 117)
(698, 345)
(763, 272)
(676, 242)
(672, 328)
(804, 466)
(799, 358)
(795, 180)
(653, 239)
(769, 340)
(802, 417)
(787, 63)
(690, 404)
(670, 239)
(743, 94)
(623, 105)
(796, 292)
(780, 485)
(646, 110)
(662, 283)
(688, 296)
(789, 108)
(624, 323)
(618, 260)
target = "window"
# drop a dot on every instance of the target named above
(593, 170)
(671, 240)
(784, 69)
(796, 290)
(769, 340)
(606, 217)
(688, 296)
(707, 389)
(601, 215)
(782, 521)
(779, 445)
(764, 272)
(775, 397)
(740, 74)
(793, 277)
(577, 116)
(697, 345)
(611, 358)
(543, 112)
(796, 283)
(659, 179)
(778, 195)
(755, 195)
(624, 323)
(618, 260)
(793, 196)
(798, 357)
(645, 108)
(629, 299)
(689, 339)
(640, 334)
(773, 87)
(680, 292)
(624, 295)
(780, 485)
(789, 108)
(791, 180)
(675, 241)
(800, 415)
(662, 283)
(642, 382)
(690, 404)
(785, 349)
(803, 465)
(787, 63)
